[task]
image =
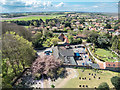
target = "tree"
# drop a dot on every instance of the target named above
(21, 31)
(55, 41)
(46, 65)
(70, 39)
(53, 86)
(108, 26)
(37, 40)
(67, 24)
(103, 41)
(93, 37)
(35, 24)
(103, 86)
(116, 82)
(17, 53)
(115, 43)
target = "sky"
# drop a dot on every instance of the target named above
(8, 6)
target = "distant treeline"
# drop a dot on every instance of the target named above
(11, 15)
(28, 23)
(36, 23)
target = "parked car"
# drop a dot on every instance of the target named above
(48, 51)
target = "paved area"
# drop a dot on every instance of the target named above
(41, 52)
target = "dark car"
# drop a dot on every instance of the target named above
(48, 51)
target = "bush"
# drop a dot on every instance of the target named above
(103, 86)
(116, 82)
(53, 86)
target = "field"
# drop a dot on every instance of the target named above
(105, 76)
(106, 55)
(31, 17)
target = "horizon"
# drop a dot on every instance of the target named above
(61, 6)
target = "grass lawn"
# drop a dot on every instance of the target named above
(105, 76)
(35, 18)
(104, 54)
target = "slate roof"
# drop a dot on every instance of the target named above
(66, 52)
(66, 55)
(55, 52)
(94, 65)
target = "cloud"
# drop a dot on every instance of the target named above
(60, 5)
(95, 6)
(16, 4)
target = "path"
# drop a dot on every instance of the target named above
(100, 63)
(73, 74)
(115, 52)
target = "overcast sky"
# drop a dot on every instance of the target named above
(59, 5)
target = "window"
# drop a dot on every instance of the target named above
(109, 64)
(113, 64)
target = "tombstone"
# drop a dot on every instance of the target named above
(86, 85)
(94, 76)
(36, 82)
(99, 78)
(79, 85)
(89, 79)
(85, 77)
(79, 77)
(95, 88)
(39, 83)
(83, 85)
(89, 73)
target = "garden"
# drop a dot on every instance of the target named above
(105, 55)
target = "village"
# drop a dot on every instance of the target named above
(75, 50)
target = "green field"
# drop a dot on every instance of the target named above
(105, 76)
(35, 18)
(105, 55)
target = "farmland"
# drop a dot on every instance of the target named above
(31, 17)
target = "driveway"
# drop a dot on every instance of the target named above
(41, 52)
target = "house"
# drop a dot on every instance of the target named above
(77, 23)
(64, 54)
(63, 38)
(110, 30)
(54, 28)
(117, 32)
(115, 66)
(33, 32)
(80, 36)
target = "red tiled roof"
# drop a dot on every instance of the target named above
(33, 32)
(110, 29)
(62, 35)
(66, 39)
(101, 65)
(113, 64)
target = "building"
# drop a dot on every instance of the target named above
(80, 36)
(117, 32)
(64, 39)
(110, 30)
(115, 66)
(64, 54)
